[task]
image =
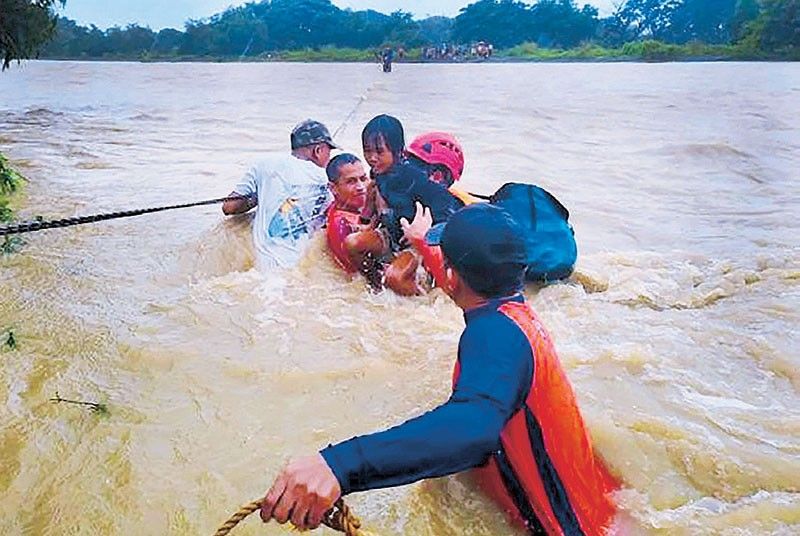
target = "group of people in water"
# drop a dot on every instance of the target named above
(512, 417)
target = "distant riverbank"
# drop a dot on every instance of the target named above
(649, 51)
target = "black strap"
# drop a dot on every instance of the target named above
(553, 486)
(518, 495)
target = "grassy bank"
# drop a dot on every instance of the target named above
(649, 51)
(10, 181)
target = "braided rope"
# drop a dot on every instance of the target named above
(340, 518)
(352, 113)
(349, 117)
(32, 226)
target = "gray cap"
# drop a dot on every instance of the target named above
(311, 132)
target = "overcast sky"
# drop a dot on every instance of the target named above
(173, 13)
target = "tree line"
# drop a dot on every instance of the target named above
(258, 28)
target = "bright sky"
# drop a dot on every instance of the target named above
(160, 14)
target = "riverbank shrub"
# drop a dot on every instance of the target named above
(323, 54)
(650, 50)
(10, 181)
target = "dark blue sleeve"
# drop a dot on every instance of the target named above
(496, 373)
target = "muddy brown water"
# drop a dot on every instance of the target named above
(680, 330)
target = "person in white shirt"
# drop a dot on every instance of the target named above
(290, 193)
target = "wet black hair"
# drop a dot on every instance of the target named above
(387, 128)
(337, 163)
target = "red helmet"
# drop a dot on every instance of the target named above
(439, 148)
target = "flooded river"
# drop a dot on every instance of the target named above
(680, 331)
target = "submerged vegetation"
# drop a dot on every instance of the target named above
(95, 407)
(11, 341)
(10, 181)
(11, 245)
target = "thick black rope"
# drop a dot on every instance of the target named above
(31, 226)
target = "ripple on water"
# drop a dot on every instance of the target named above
(678, 330)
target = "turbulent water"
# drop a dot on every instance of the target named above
(680, 330)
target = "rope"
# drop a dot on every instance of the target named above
(340, 518)
(352, 113)
(349, 117)
(31, 226)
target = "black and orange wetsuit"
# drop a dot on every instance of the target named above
(513, 415)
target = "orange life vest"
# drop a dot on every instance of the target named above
(546, 474)
(465, 197)
(341, 223)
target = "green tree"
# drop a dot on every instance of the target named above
(360, 29)
(649, 19)
(133, 40)
(560, 23)
(709, 21)
(613, 31)
(168, 41)
(780, 24)
(25, 26)
(402, 29)
(435, 30)
(301, 23)
(745, 12)
(504, 23)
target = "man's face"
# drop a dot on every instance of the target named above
(378, 156)
(350, 190)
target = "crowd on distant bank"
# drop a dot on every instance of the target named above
(453, 52)
(442, 52)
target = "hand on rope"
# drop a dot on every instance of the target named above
(303, 491)
(307, 493)
(339, 518)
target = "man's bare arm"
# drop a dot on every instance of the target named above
(239, 205)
